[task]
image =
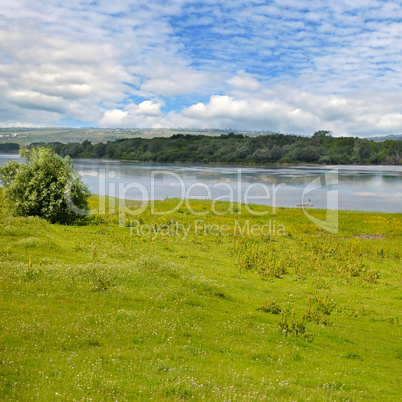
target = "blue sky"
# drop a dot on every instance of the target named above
(288, 66)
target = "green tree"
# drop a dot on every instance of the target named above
(362, 148)
(100, 149)
(44, 185)
(322, 134)
(276, 153)
(306, 154)
(261, 155)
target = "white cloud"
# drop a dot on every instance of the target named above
(391, 122)
(251, 113)
(146, 114)
(166, 80)
(244, 82)
(113, 118)
(280, 108)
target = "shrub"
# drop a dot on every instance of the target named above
(326, 160)
(271, 307)
(44, 185)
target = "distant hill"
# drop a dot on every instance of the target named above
(394, 137)
(67, 135)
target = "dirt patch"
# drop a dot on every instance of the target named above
(370, 236)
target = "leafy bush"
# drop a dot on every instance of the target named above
(271, 307)
(325, 160)
(45, 186)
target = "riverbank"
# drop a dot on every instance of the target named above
(180, 305)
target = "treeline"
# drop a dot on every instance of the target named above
(236, 148)
(9, 147)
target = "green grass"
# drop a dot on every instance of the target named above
(92, 312)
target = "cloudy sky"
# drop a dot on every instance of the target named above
(285, 65)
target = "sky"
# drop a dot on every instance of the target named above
(285, 66)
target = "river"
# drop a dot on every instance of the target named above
(363, 188)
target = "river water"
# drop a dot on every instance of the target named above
(364, 188)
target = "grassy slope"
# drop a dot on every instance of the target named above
(104, 315)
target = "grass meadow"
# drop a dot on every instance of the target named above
(104, 311)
